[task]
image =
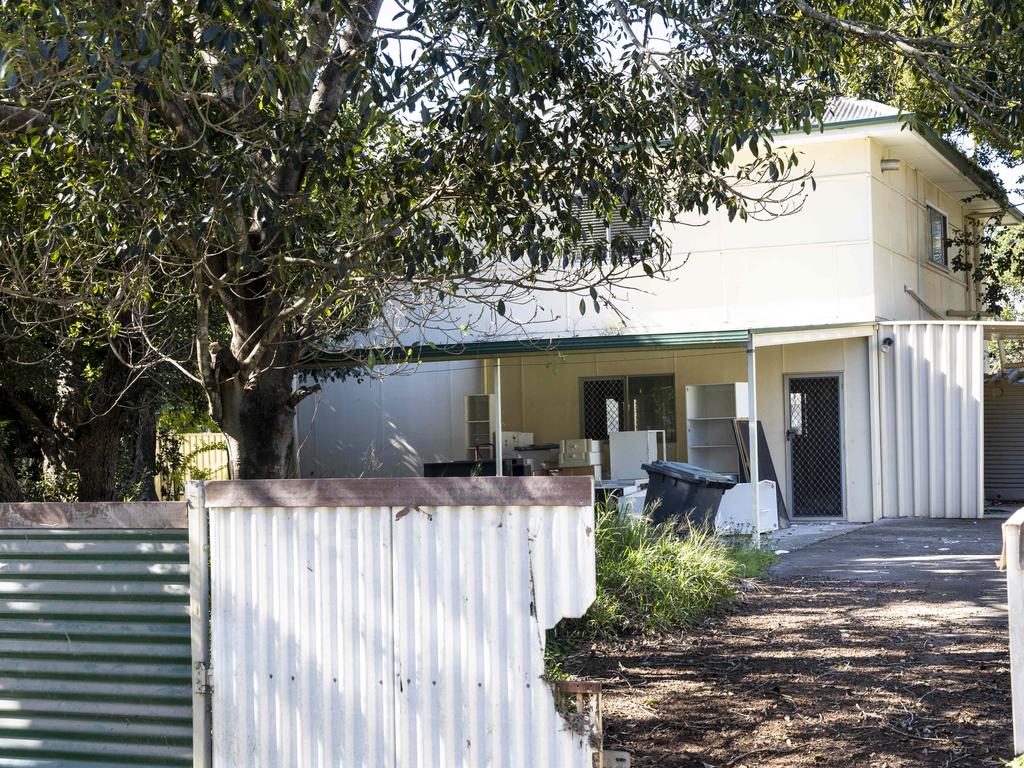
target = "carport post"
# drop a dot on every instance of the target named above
(752, 432)
(498, 449)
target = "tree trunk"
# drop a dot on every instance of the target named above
(97, 455)
(259, 423)
(10, 490)
(143, 471)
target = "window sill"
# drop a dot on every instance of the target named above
(959, 277)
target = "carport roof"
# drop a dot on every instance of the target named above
(489, 349)
(736, 338)
(468, 350)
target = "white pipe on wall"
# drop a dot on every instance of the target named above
(755, 476)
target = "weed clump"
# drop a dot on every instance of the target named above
(655, 579)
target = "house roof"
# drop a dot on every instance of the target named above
(730, 338)
(845, 110)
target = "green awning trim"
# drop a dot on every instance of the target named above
(479, 349)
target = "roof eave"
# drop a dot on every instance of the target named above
(418, 353)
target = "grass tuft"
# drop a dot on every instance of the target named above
(752, 562)
(653, 579)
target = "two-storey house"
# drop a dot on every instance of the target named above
(864, 343)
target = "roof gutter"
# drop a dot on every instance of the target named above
(476, 350)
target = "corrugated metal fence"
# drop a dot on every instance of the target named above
(201, 456)
(395, 622)
(1004, 439)
(94, 635)
(931, 381)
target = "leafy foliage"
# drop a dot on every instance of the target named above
(959, 70)
(228, 187)
(304, 172)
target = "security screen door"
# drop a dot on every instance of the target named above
(815, 437)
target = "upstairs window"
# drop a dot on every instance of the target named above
(595, 228)
(938, 250)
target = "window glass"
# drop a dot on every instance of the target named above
(629, 403)
(937, 251)
(652, 404)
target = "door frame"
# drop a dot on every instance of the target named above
(787, 377)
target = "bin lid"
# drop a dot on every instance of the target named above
(690, 473)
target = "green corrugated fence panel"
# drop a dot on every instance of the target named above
(95, 655)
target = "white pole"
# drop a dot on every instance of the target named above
(753, 433)
(199, 612)
(498, 452)
(1015, 603)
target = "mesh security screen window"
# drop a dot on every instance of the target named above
(604, 407)
(622, 403)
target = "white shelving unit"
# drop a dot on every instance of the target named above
(480, 428)
(710, 411)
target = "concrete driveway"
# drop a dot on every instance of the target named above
(950, 562)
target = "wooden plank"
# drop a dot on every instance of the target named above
(766, 468)
(97, 514)
(400, 492)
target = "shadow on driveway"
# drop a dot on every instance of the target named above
(952, 563)
(881, 648)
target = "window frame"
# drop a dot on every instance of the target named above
(944, 264)
(627, 409)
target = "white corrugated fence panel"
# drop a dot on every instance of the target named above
(475, 589)
(395, 635)
(301, 617)
(931, 419)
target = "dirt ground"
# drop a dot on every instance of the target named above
(807, 671)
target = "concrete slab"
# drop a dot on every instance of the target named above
(800, 535)
(952, 562)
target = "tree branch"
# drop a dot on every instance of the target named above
(15, 119)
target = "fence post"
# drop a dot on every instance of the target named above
(199, 591)
(1011, 561)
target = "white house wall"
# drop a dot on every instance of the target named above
(387, 427)
(899, 217)
(813, 266)
(931, 419)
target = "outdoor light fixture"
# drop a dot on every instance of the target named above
(887, 343)
(890, 164)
